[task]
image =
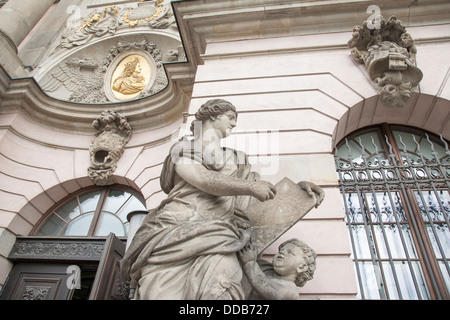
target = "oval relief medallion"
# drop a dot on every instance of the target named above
(130, 77)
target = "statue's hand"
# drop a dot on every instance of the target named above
(263, 190)
(312, 188)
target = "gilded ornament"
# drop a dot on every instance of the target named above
(130, 77)
(151, 13)
(96, 17)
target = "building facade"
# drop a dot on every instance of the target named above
(93, 93)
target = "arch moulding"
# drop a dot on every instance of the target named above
(422, 111)
(32, 212)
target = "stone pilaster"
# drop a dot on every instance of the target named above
(17, 19)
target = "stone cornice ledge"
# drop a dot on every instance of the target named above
(208, 21)
(24, 95)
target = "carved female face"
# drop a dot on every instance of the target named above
(290, 260)
(225, 123)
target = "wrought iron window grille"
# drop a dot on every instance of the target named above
(397, 204)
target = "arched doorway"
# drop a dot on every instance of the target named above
(73, 252)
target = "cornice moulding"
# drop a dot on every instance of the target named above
(25, 95)
(207, 22)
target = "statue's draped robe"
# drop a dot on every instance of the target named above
(186, 248)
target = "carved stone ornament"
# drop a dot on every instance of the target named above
(109, 20)
(112, 134)
(89, 81)
(388, 53)
(82, 77)
(147, 77)
(97, 25)
(29, 249)
(158, 15)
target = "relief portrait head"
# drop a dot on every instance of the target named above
(130, 77)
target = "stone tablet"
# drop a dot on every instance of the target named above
(272, 218)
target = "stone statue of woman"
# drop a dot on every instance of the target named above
(187, 247)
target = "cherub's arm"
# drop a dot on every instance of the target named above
(258, 280)
(267, 288)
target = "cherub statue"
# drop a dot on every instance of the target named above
(292, 267)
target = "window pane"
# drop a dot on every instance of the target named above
(109, 223)
(445, 274)
(418, 272)
(428, 147)
(79, 226)
(69, 211)
(406, 283)
(361, 242)
(441, 243)
(131, 205)
(362, 147)
(89, 201)
(52, 227)
(116, 199)
(371, 280)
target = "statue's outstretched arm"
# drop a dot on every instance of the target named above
(218, 184)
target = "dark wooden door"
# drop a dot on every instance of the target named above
(108, 283)
(37, 281)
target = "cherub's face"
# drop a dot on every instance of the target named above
(289, 260)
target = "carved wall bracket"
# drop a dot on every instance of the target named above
(389, 55)
(112, 134)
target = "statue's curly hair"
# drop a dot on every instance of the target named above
(212, 108)
(310, 256)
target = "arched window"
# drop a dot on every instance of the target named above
(95, 212)
(395, 185)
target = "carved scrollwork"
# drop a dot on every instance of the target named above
(121, 288)
(55, 250)
(112, 133)
(389, 55)
(35, 293)
(158, 15)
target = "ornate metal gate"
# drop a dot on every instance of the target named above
(396, 198)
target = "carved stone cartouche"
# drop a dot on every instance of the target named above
(112, 134)
(388, 53)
